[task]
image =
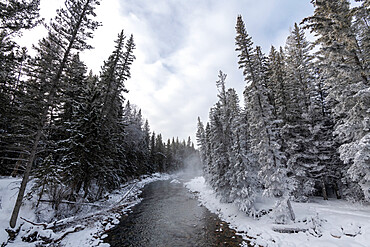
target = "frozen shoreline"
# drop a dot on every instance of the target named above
(332, 223)
(328, 223)
(88, 233)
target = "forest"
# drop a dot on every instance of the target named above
(304, 128)
(65, 128)
(75, 154)
(301, 131)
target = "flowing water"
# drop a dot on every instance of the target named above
(169, 215)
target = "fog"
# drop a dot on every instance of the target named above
(193, 167)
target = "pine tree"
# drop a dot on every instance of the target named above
(19, 15)
(264, 136)
(277, 83)
(243, 169)
(208, 160)
(146, 146)
(332, 23)
(245, 185)
(299, 72)
(296, 135)
(115, 72)
(72, 133)
(48, 181)
(220, 120)
(362, 32)
(15, 16)
(160, 153)
(169, 159)
(200, 135)
(135, 142)
(153, 151)
(14, 132)
(70, 30)
(344, 64)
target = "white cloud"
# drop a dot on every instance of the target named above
(181, 45)
(181, 48)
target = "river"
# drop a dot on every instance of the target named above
(169, 215)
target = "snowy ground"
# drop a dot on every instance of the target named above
(333, 223)
(83, 230)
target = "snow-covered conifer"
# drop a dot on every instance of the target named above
(263, 131)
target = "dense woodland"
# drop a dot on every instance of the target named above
(63, 126)
(304, 129)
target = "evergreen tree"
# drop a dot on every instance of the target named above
(245, 185)
(241, 174)
(343, 61)
(70, 30)
(48, 181)
(146, 146)
(76, 129)
(299, 73)
(153, 151)
(160, 155)
(277, 83)
(296, 135)
(261, 121)
(362, 33)
(220, 120)
(135, 142)
(18, 15)
(15, 16)
(200, 135)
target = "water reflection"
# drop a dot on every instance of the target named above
(170, 216)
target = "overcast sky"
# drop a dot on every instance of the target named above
(180, 47)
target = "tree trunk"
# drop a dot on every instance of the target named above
(17, 165)
(337, 192)
(18, 203)
(40, 196)
(324, 194)
(291, 212)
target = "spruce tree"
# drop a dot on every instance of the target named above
(277, 83)
(243, 169)
(69, 31)
(220, 122)
(343, 61)
(296, 135)
(15, 17)
(261, 121)
(200, 137)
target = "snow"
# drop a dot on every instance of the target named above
(175, 181)
(322, 223)
(83, 233)
(8, 194)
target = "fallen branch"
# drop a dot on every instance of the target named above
(76, 229)
(125, 195)
(35, 224)
(289, 229)
(66, 221)
(69, 202)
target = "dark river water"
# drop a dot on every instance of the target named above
(169, 215)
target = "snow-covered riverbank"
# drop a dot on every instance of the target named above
(87, 228)
(332, 223)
